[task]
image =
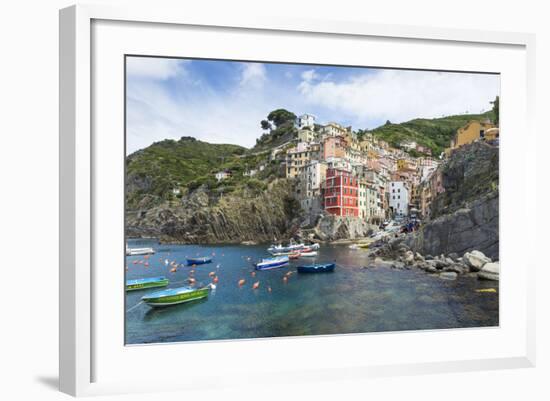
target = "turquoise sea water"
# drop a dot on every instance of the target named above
(350, 300)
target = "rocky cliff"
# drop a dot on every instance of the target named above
(473, 227)
(466, 216)
(200, 218)
(332, 228)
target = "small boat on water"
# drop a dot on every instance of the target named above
(290, 248)
(317, 268)
(145, 283)
(288, 253)
(272, 263)
(175, 296)
(199, 260)
(139, 251)
(309, 254)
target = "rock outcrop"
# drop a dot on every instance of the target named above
(332, 228)
(470, 228)
(475, 260)
(198, 218)
(490, 271)
(466, 216)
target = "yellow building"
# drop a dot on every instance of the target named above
(491, 134)
(299, 156)
(406, 164)
(306, 135)
(471, 132)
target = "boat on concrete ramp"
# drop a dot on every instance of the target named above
(317, 268)
(145, 283)
(175, 296)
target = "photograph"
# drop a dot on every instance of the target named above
(281, 199)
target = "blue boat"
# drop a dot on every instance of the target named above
(272, 263)
(317, 268)
(199, 260)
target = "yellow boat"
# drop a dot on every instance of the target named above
(487, 290)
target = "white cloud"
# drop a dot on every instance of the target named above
(154, 68)
(155, 113)
(253, 74)
(309, 76)
(400, 95)
(190, 106)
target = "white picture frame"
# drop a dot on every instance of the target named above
(81, 342)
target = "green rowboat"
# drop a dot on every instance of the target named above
(174, 296)
(145, 283)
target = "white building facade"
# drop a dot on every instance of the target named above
(305, 120)
(398, 198)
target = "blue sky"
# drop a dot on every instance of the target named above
(224, 101)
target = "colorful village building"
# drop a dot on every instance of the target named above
(312, 178)
(399, 198)
(471, 132)
(341, 193)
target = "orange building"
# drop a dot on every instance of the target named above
(334, 146)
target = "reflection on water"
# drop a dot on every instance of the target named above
(353, 299)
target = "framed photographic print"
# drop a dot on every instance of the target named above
(332, 198)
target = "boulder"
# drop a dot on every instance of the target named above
(418, 257)
(421, 265)
(409, 257)
(379, 262)
(440, 263)
(475, 260)
(430, 266)
(453, 256)
(428, 257)
(398, 265)
(456, 268)
(490, 271)
(448, 275)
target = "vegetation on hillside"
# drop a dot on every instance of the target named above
(280, 129)
(435, 133)
(186, 164)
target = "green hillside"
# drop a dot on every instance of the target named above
(189, 163)
(434, 133)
